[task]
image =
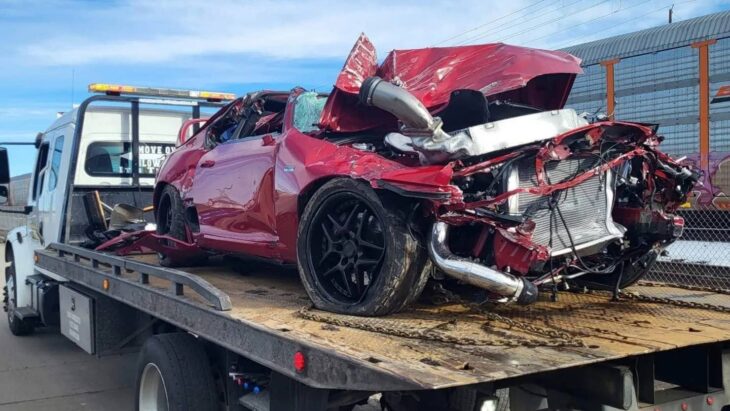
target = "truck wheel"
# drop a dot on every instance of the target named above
(17, 326)
(633, 272)
(355, 255)
(170, 218)
(173, 373)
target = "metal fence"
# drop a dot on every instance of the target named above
(664, 87)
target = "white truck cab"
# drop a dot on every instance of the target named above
(112, 144)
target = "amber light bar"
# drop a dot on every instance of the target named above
(117, 89)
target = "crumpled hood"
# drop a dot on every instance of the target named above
(539, 78)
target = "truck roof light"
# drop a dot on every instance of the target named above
(117, 89)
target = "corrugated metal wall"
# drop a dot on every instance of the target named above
(663, 86)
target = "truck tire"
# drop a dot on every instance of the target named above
(17, 326)
(173, 373)
(356, 255)
(170, 218)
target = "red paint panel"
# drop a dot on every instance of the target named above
(539, 77)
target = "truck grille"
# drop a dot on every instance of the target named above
(586, 207)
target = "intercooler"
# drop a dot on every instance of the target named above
(586, 207)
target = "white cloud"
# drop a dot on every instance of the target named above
(154, 32)
(143, 32)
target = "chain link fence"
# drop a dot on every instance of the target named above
(663, 87)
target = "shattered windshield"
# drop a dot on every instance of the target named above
(308, 110)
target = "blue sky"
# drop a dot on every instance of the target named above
(51, 50)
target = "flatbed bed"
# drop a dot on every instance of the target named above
(261, 314)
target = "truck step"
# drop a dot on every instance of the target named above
(26, 313)
(256, 402)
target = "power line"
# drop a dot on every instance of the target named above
(586, 22)
(553, 21)
(510, 24)
(568, 43)
(489, 22)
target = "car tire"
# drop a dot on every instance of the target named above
(17, 326)
(170, 217)
(357, 255)
(173, 372)
(634, 271)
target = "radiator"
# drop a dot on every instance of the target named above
(586, 207)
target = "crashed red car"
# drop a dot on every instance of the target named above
(461, 159)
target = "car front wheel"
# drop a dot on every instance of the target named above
(355, 255)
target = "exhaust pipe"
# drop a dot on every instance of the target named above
(403, 105)
(504, 284)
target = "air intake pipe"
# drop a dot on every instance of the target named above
(403, 105)
(503, 284)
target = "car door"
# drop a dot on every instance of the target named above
(233, 195)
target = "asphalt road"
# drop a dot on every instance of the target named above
(45, 371)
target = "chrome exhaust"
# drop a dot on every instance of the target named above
(503, 284)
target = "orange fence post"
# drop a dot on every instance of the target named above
(704, 72)
(610, 92)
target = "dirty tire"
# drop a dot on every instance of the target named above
(186, 373)
(633, 272)
(399, 277)
(17, 326)
(170, 217)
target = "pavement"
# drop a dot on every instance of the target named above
(45, 371)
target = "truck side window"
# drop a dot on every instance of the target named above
(114, 159)
(40, 165)
(55, 163)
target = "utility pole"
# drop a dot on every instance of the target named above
(671, 11)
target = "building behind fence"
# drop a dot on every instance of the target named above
(668, 75)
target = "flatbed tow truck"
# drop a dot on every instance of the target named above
(243, 335)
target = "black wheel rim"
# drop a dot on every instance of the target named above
(346, 247)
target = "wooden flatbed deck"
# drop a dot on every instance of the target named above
(577, 329)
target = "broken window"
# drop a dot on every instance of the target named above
(308, 110)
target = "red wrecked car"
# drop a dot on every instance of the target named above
(458, 158)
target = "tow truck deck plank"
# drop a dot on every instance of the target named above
(271, 299)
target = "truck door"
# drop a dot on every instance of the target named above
(233, 194)
(37, 189)
(52, 196)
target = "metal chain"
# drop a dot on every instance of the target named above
(715, 290)
(671, 301)
(559, 339)
(551, 337)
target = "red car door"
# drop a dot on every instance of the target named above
(233, 194)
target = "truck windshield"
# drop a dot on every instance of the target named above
(115, 158)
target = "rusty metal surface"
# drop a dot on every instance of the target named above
(495, 342)
(606, 329)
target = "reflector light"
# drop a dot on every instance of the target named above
(105, 284)
(299, 361)
(710, 400)
(685, 406)
(117, 89)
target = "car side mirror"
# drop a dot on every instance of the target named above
(4, 176)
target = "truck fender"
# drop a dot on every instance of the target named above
(24, 245)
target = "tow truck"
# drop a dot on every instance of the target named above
(241, 335)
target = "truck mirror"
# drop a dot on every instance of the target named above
(4, 166)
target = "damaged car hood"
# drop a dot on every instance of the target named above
(538, 78)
